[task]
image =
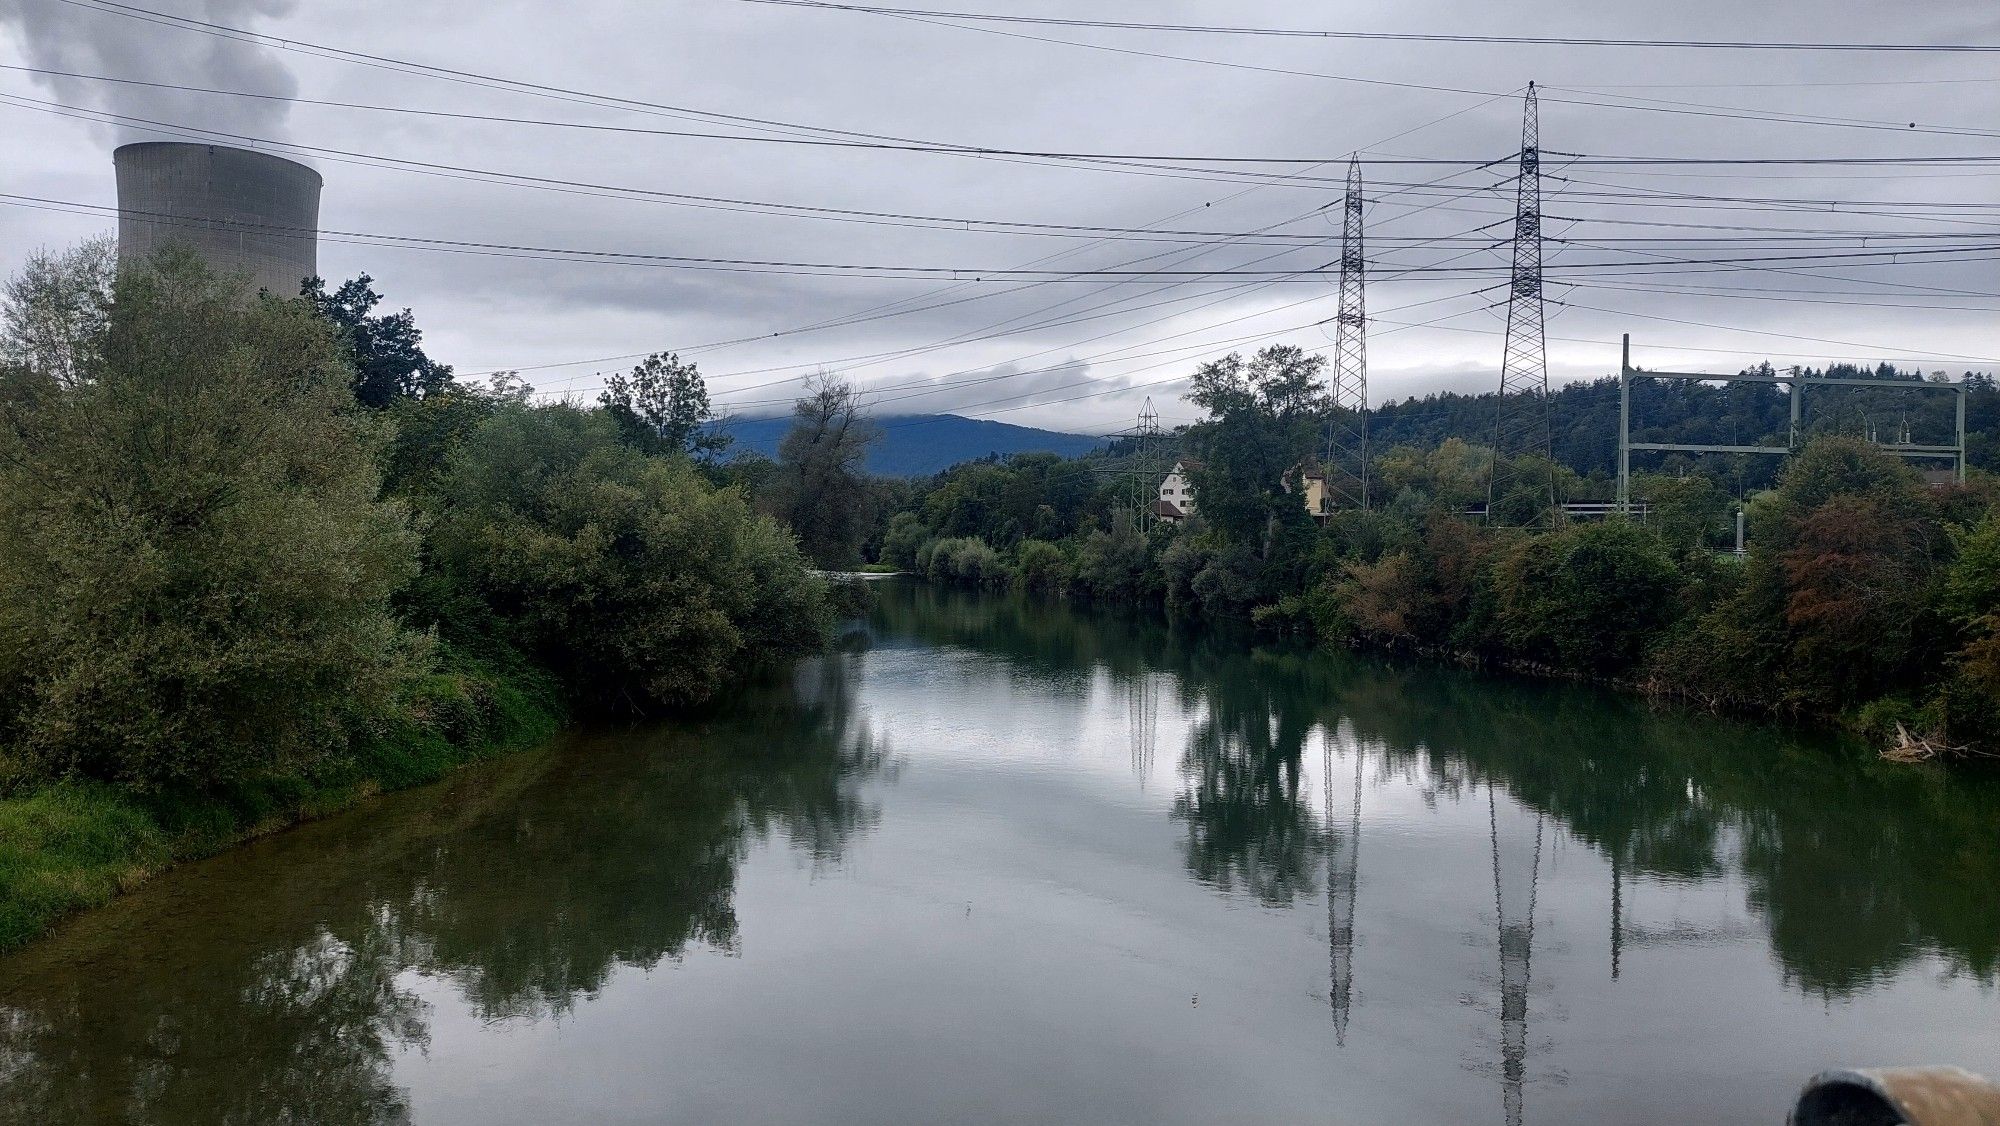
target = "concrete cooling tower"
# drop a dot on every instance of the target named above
(245, 212)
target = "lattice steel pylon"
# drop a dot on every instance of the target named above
(1347, 426)
(1139, 476)
(1521, 414)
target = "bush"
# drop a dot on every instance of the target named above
(900, 543)
(1588, 598)
(195, 567)
(966, 561)
(1041, 567)
(626, 574)
(1112, 566)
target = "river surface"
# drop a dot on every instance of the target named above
(997, 861)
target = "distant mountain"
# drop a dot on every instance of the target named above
(918, 445)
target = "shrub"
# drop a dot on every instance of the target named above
(626, 574)
(1041, 567)
(1588, 598)
(195, 567)
(1112, 566)
(900, 543)
(967, 561)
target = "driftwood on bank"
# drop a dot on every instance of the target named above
(1912, 748)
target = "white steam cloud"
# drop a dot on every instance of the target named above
(84, 39)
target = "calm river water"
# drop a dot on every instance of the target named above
(1005, 862)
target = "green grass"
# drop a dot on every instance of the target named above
(69, 845)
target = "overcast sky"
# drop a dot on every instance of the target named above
(1077, 354)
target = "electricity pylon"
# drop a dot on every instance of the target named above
(1139, 476)
(1521, 415)
(1347, 428)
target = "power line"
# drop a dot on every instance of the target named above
(1782, 335)
(1691, 109)
(1584, 159)
(943, 272)
(1388, 36)
(560, 93)
(1245, 191)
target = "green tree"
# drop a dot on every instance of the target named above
(821, 487)
(1041, 567)
(54, 314)
(1690, 512)
(195, 566)
(1263, 417)
(899, 545)
(386, 351)
(626, 574)
(1114, 566)
(662, 407)
(1589, 598)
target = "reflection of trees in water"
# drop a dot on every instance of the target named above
(1250, 824)
(526, 889)
(1855, 867)
(300, 1035)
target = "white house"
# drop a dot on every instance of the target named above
(1176, 501)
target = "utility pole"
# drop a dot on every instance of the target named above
(1347, 427)
(1521, 416)
(1625, 427)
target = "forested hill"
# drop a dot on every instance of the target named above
(1584, 416)
(920, 445)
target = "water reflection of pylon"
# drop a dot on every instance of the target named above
(1143, 709)
(1515, 875)
(1343, 871)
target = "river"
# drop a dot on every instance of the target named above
(996, 861)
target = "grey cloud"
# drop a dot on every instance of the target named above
(81, 40)
(847, 71)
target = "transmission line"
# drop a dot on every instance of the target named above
(1381, 36)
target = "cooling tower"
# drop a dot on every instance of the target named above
(245, 212)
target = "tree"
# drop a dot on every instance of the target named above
(626, 574)
(54, 314)
(1264, 418)
(1589, 598)
(1856, 578)
(662, 407)
(195, 564)
(899, 544)
(821, 487)
(388, 360)
(1688, 512)
(1112, 566)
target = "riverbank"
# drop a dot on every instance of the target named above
(1884, 724)
(70, 845)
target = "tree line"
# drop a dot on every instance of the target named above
(245, 539)
(1866, 593)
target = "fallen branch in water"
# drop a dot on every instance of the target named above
(1910, 748)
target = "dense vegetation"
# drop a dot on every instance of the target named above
(259, 556)
(1866, 593)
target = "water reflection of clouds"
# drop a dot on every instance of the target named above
(1100, 818)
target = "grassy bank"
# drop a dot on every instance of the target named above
(69, 845)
